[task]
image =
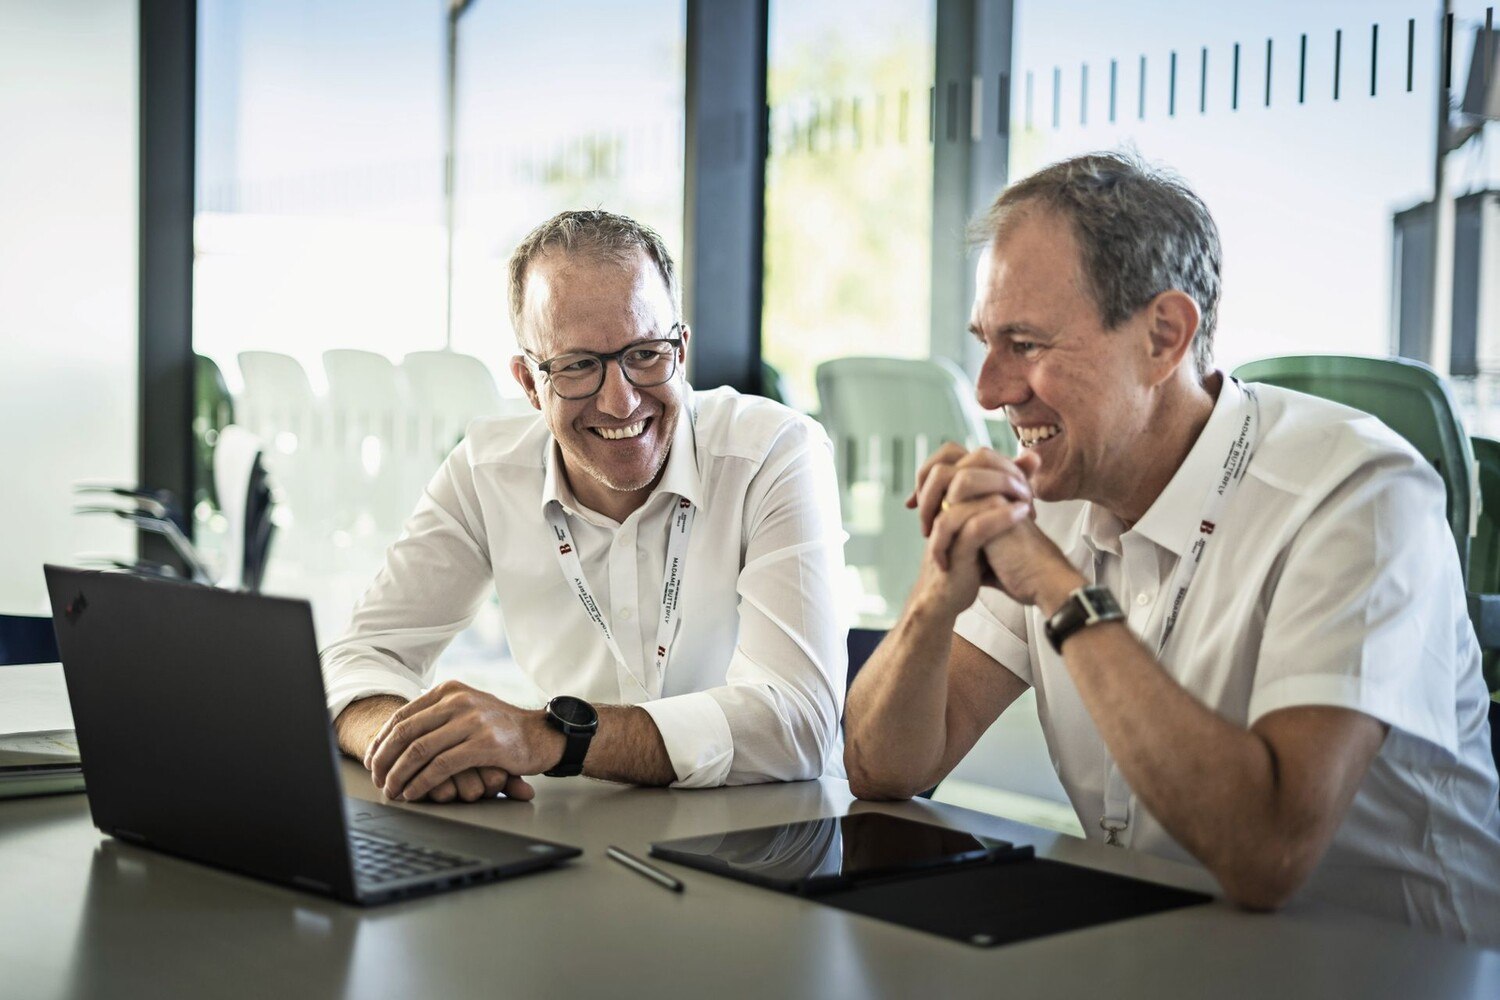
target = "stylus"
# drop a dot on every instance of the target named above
(640, 867)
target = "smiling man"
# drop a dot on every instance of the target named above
(666, 560)
(1240, 607)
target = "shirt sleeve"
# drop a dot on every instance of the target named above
(997, 625)
(428, 590)
(777, 716)
(1369, 608)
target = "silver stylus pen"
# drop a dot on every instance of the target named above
(640, 867)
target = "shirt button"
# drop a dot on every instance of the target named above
(1143, 599)
(624, 614)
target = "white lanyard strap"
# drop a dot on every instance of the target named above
(1116, 816)
(666, 630)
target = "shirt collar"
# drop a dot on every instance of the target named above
(680, 477)
(1172, 519)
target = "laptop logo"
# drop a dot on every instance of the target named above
(76, 607)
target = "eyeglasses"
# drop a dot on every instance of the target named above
(580, 374)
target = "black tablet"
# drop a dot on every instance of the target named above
(837, 852)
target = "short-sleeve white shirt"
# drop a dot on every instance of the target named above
(1330, 579)
(754, 686)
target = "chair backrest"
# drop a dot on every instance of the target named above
(1484, 548)
(26, 639)
(1484, 558)
(274, 380)
(1409, 398)
(773, 384)
(363, 386)
(373, 440)
(213, 410)
(1495, 729)
(278, 399)
(447, 391)
(885, 417)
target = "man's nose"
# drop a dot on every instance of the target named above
(1002, 380)
(617, 397)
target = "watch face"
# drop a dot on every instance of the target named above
(1099, 602)
(573, 711)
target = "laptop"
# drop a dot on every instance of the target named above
(204, 733)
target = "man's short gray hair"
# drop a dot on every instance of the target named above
(1140, 229)
(596, 235)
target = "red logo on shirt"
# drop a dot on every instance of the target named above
(565, 549)
(661, 650)
(685, 502)
(1207, 527)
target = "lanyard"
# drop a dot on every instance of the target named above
(671, 587)
(1116, 792)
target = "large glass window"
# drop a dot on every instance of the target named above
(848, 185)
(552, 117)
(1309, 129)
(68, 243)
(322, 233)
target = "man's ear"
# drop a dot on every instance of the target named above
(1173, 318)
(522, 373)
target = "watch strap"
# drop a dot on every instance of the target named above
(1084, 607)
(576, 748)
(576, 735)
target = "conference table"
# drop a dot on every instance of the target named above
(82, 915)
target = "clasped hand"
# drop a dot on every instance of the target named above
(456, 742)
(976, 512)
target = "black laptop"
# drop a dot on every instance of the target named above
(204, 733)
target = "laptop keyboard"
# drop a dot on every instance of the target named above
(379, 860)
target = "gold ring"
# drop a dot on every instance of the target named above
(946, 505)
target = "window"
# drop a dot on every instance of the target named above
(1306, 128)
(68, 357)
(848, 184)
(322, 233)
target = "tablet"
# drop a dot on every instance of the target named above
(837, 852)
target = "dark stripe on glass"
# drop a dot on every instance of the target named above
(1172, 87)
(1234, 86)
(1302, 74)
(1203, 82)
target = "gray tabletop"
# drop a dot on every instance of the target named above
(83, 915)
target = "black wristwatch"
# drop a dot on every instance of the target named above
(578, 721)
(1084, 607)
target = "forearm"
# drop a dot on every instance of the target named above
(895, 726)
(360, 722)
(627, 748)
(1211, 784)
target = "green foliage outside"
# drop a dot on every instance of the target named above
(848, 223)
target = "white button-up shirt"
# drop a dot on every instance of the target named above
(1331, 579)
(754, 686)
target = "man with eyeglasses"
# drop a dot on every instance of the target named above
(666, 560)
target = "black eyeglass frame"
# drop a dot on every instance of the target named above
(545, 367)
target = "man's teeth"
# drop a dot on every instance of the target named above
(617, 433)
(1032, 435)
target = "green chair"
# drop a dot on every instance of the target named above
(1410, 398)
(213, 410)
(885, 417)
(1484, 559)
(773, 384)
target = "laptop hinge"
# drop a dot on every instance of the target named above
(129, 835)
(312, 883)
